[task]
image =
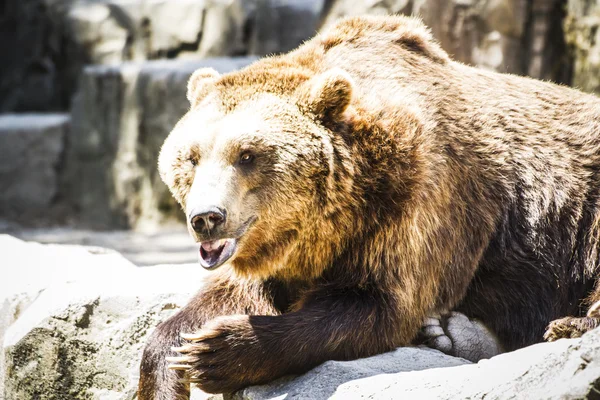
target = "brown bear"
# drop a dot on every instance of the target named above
(346, 190)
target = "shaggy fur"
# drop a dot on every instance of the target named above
(389, 183)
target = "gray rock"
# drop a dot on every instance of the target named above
(55, 39)
(225, 25)
(167, 245)
(50, 41)
(31, 147)
(282, 25)
(120, 119)
(326, 380)
(81, 329)
(28, 269)
(30, 77)
(113, 31)
(566, 369)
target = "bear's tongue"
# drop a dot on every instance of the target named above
(215, 252)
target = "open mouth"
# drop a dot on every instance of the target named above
(214, 253)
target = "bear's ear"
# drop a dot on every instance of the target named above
(327, 95)
(199, 84)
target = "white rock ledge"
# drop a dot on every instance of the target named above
(74, 321)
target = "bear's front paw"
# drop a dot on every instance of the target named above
(222, 357)
(570, 327)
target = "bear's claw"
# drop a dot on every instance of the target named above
(570, 327)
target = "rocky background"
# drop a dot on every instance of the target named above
(89, 89)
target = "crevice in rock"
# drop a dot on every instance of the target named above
(60, 201)
(544, 49)
(175, 51)
(248, 31)
(83, 319)
(526, 38)
(183, 47)
(594, 393)
(558, 59)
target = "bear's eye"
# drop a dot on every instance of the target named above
(193, 161)
(246, 158)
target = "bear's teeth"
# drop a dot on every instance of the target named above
(213, 244)
(207, 246)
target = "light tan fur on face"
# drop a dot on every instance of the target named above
(283, 211)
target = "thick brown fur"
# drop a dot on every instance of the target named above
(389, 183)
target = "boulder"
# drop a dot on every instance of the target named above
(326, 380)
(28, 269)
(32, 75)
(50, 41)
(74, 320)
(31, 146)
(121, 117)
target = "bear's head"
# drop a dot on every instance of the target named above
(257, 166)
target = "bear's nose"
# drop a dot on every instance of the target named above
(207, 220)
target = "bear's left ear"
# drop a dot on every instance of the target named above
(327, 95)
(199, 84)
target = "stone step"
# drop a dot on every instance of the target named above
(31, 147)
(67, 35)
(170, 244)
(121, 117)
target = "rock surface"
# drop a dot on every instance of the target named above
(170, 244)
(126, 106)
(29, 268)
(50, 41)
(74, 320)
(31, 146)
(516, 36)
(120, 119)
(282, 25)
(325, 380)
(566, 369)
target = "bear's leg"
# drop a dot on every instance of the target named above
(220, 296)
(457, 335)
(329, 323)
(574, 327)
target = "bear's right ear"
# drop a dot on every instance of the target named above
(327, 95)
(199, 84)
